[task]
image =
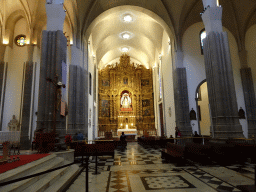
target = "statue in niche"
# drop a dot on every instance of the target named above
(126, 101)
(13, 125)
(192, 114)
(241, 113)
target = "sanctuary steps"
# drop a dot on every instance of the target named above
(53, 181)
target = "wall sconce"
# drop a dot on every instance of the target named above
(5, 41)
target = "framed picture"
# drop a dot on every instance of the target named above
(125, 80)
(146, 103)
(144, 82)
(105, 108)
(105, 83)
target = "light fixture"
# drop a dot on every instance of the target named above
(125, 36)
(5, 41)
(127, 18)
(125, 49)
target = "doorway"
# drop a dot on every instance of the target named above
(203, 109)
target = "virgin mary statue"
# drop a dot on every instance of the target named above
(126, 101)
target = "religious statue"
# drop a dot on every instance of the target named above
(13, 125)
(126, 101)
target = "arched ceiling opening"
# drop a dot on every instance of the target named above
(142, 36)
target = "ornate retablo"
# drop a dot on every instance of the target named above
(125, 97)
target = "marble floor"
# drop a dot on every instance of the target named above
(138, 169)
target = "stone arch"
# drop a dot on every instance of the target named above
(94, 16)
(10, 23)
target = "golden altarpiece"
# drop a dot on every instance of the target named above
(126, 98)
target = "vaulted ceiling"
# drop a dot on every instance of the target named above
(102, 20)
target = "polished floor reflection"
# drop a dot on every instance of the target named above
(138, 169)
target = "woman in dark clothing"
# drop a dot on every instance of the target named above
(177, 133)
(123, 140)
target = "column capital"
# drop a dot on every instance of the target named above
(211, 3)
(55, 17)
(54, 1)
(212, 18)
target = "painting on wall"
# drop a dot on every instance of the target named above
(125, 80)
(105, 83)
(146, 103)
(146, 112)
(144, 82)
(105, 105)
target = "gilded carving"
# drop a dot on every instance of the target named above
(125, 95)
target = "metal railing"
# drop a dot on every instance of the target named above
(11, 136)
(86, 166)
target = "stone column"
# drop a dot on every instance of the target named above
(77, 99)
(219, 75)
(54, 51)
(249, 93)
(28, 99)
(181, 96)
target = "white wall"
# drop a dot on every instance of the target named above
(156, 92)
(90, 97)
(194, 64)
(37, 59)
(250, 45)
(205, 122)
(16, 58)
(168, 91)
(195, 67)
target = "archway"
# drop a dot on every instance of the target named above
(146, 40)
(203, 109)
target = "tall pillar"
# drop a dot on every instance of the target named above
(181, 96)
(249, 93)
(3, 73)
(54, 50)
(77, 113)
(219, 75)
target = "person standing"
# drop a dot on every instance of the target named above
(177, 133)
(123, 140)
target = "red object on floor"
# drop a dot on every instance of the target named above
(24, 159)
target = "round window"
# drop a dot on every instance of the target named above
(20, 40)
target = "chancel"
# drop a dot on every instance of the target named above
(141, 69)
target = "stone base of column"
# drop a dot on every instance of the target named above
(228, 131)
(25, 143)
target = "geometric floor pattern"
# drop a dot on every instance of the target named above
(211, 180)
(139, 169)
(165, 182)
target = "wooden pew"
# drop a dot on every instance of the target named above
(174, 152)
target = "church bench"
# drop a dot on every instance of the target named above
(149, 140)
(174, 152)
(197, 152)
(225, 153)
(246, 148)
(99, 149)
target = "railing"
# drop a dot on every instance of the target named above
(242, 141)
(85, 166)
(183, 140)
(11, 136)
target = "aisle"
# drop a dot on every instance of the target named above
(139, 169)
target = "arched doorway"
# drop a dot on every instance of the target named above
(203, 109)
(146, 40)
